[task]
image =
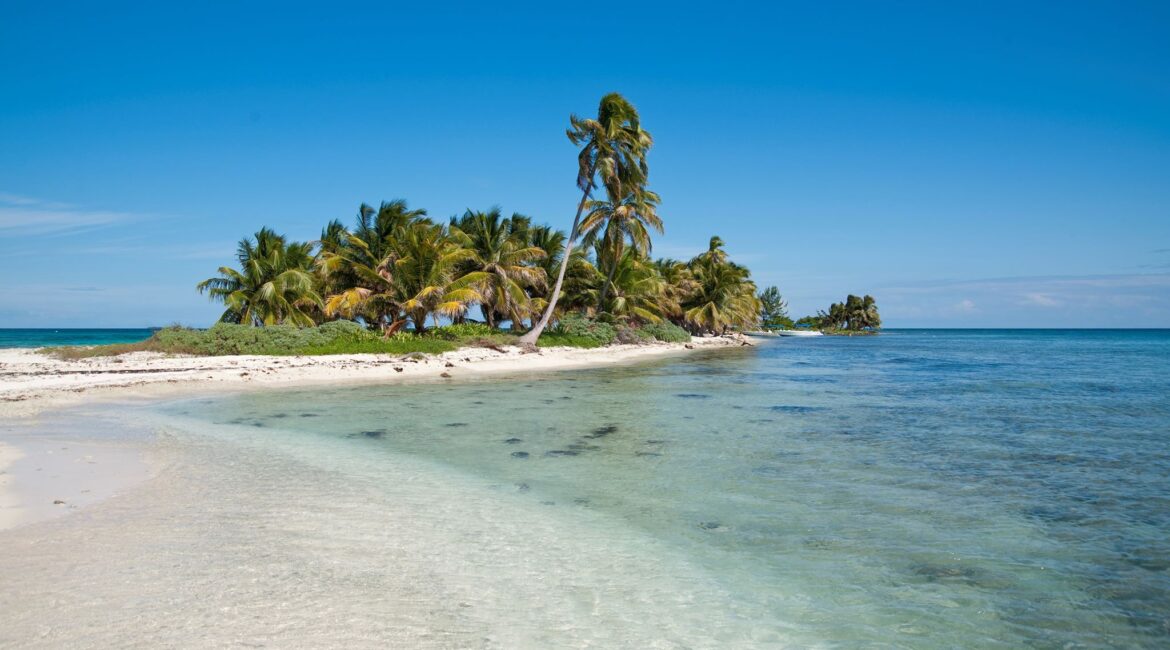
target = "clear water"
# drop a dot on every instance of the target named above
(918, 489)
(40, 338)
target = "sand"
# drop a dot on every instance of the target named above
(42, 476)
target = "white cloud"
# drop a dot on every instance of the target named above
(21, 215)
(1040, 300)
(966, 306)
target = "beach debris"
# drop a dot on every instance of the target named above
(397, 368)
(448, 365)
(689, 346)
(58, 502)
(445, 375)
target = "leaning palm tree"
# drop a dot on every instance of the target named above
(613, 148)
(273, 285)
(500, 264)
(613, 223)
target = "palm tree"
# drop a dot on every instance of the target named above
(378, 228)
(613, 148)
(680, 287)
(614, 222)
(274, 284)
(725, 296)
(358, 266)
(869, 313)
(500, 264)
(637, 289)
(426, 276)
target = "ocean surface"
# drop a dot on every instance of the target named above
(917, 489)
(40, 338)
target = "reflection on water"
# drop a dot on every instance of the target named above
(918, 489)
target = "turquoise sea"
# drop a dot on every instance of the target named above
(40, 338)
(917, 489)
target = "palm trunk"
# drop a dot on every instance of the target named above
(608, 281)
(529, 339)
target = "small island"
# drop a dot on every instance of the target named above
(397, 281)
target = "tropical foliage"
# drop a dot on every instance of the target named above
(273, 285)
(856, 314)
(774, 310)
(396, 272)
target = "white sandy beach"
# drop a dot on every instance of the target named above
(36, 475)
(31, 381)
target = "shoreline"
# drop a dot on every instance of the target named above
(82, 473)
(33, 382)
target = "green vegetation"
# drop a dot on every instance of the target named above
(397, 274)
(336, 337)
(390, 282)
(857, 315)
(774, 310)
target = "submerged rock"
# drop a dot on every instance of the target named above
(519, 454)
(562, 452)
(310, 415)
(376, 433)
(601, 432)
(455, 424)
(692, 395)
(796, 409)
(710, 525)
(513, 441)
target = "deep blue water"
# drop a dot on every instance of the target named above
(40, 338)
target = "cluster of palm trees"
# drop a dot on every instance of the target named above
(397, 267)
(856, 313)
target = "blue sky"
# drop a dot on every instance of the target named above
(968, 164)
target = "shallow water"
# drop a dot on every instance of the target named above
(916, 489)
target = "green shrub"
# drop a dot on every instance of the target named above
(575, 325)
(556, 339)
(409, 345)
(336, 337)
(627, 335)
(461, 331)
(667, 332)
